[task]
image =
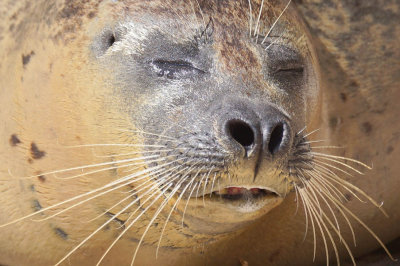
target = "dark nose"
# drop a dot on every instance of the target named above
(269, 132)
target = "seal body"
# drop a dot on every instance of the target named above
(185, 129)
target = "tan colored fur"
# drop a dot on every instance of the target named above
(50, 102)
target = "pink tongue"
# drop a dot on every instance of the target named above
(234, 190)
(241, 190)
(255, 190)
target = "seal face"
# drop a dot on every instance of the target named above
(228, 103)
(162, 124)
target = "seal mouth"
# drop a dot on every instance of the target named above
(242, 193)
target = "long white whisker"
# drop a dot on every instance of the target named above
(319, 217)
(119, 181)
(310, 133)
(93, 165)
(250, 18)
(314, 214)
(97, 230)
(187, 202)
(106, 168)
(320, 162)
(343, 158)
(91, 198)
(170, 179)
(150, 134)
(314, 186)
(327, 147)
(341, 163)
(132, 153)
(311, 190)
(365, 226)
(202, 15)
(152, 220)
(346, 184)
(336, 179)
(137, 218)
(276, 21)
(114, 145)
(258, 20)
(301, 131)
(324, 191)
(205, 184)
(212, 186)
(307, 210)
(148, 182)
(172, 209)
(319, 176)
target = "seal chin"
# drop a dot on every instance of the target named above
(229, 209)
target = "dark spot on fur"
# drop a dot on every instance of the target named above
(274, 255)
(14, 140)
(61, 233)
(36, 205)
(243, 262)
(71, 17)
(354, 85)
(30, 160)
(389, 149)
(27, 58)
(134, 240)
(366, 127)
(36, 153)
(333, 122)
(120, 222)
(42, 178)
(91, 14)
(343, 97)
(348, 196)
(71, 9)
(32, 188)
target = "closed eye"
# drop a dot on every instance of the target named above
(295, 70)
(175, 69)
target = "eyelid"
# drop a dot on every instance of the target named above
(177, 63)
(175, 68)
(290, 69)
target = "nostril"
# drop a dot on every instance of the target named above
(276, 138)
(241, 132)
(110, 40)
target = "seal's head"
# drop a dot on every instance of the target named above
(220, 104)
(192, 115)
(170, 123)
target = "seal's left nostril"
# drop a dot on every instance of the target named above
(276, 138)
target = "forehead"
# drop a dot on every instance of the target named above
(236, 24)
(235, 16)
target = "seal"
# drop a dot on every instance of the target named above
(177, 133)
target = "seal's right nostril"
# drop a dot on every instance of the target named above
(241, 132)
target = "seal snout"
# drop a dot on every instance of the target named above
(266, 133)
